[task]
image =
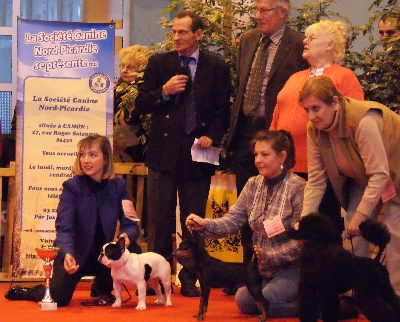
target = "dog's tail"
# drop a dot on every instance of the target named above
(376, 233)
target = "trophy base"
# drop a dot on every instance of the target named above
(48, 306)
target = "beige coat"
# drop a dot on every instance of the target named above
(350, 115)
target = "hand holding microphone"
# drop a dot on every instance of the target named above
(176, 84)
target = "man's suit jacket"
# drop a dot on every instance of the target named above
(77, 214)
(288, 60)
(168, 143)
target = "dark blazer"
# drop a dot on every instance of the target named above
(168, 143)
(288, 60)
(77, 211)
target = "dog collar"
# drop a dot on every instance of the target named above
(126, 260)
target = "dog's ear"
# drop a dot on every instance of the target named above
(121, 244)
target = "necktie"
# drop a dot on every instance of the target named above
(189, 102)
(252, 95)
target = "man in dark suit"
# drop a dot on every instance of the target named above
(284, 58)
(165, 93)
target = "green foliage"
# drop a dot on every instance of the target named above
(378, 69)
(313, 12)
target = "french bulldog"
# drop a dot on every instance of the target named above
(137, 269)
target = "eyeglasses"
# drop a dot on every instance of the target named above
(127, 67)
(180, 33)
(264, 11)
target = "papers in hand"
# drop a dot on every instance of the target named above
(129, 210)
(210, 155)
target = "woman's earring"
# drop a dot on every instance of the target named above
(281, 166)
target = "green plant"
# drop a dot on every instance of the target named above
(378, 69)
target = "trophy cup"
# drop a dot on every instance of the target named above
(47, 253)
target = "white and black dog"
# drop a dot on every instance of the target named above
(138, 269)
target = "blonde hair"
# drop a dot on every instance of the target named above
(136, 53)
(105, 147)
(334, 31)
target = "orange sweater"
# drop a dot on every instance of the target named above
(290, 116)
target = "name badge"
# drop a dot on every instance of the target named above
(273, 226)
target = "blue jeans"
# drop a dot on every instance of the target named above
(281, 292)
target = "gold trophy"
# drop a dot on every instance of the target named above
(47, 253)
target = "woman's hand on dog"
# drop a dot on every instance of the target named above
(353, 229)
(194, 222)
(261, 254)
(70, 264)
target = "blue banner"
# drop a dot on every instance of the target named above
(65, 92)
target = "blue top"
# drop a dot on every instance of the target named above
(82, 201)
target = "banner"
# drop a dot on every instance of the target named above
(65, 93)
(223, 195)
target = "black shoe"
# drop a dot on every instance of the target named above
(189, 290)
(230, 290)
(188, 283)
(103, 300)
(18, 293)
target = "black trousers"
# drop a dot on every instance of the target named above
(162, 190)
(329, 205)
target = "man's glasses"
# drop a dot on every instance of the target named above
(180, 33)
(263, 11)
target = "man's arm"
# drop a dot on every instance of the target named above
(150, 91)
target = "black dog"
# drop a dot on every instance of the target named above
(328, 270)
(213, 273)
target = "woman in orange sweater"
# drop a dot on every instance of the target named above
(324, 49)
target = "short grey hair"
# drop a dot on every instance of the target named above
(284, 4)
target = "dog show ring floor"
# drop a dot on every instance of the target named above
(221, 307)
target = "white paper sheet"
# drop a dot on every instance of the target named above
(210, 155)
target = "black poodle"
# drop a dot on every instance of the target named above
(328, 270)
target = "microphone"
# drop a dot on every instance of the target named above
(182, 70)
